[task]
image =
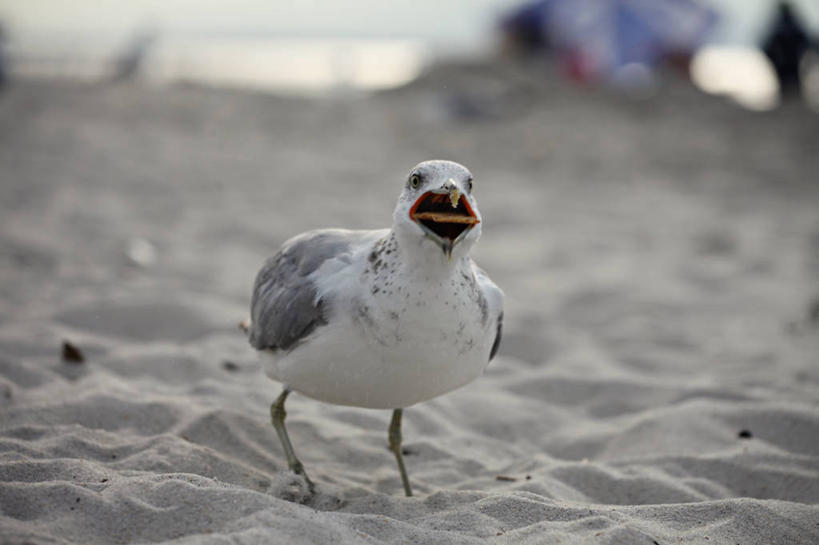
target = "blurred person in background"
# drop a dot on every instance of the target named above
(785, 44)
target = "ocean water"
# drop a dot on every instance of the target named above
(458, 24)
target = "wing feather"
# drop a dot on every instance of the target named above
(285, 307)
(494, 299)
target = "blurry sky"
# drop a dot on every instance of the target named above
(451, 24)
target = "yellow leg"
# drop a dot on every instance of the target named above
(277, 415)
(395, 447)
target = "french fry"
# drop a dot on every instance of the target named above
(446, 217)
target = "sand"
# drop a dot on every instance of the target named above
(659, 377)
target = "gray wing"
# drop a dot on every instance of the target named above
(498, 335)
(494, 302)
(285, 308)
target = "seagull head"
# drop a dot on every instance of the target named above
(436, 209)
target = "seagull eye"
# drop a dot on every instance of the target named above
(469, 185)
(415, 181)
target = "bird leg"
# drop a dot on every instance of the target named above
(277, 415)
(395, 447)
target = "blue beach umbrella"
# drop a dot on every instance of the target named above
(596, 38)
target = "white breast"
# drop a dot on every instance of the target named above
(393, 339)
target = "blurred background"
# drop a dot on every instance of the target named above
(647, 169)
(311, 47)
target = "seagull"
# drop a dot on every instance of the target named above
(381, 319)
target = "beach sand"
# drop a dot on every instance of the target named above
(658, 382)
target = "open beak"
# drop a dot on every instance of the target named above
(445, 216)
